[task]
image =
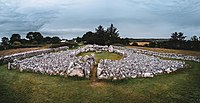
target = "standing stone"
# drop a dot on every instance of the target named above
(9, 66)
(111, 49)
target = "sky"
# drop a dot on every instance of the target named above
(71, 18)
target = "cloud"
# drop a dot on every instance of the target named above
(177, 12)
(133, 18)
(70, 32)
(18, 17)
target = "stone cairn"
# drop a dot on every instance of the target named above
(135, 63)
(9, 58)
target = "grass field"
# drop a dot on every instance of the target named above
(181, 86)
(103, 55)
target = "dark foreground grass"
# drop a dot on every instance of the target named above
(181, 86)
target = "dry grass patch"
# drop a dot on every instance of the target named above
(19, 50)
(142, 43)
(97, 84)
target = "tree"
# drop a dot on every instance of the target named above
(15, 37)
(152, 44)
(177, 36)
(194, 43)
(181, 36)
(100, 30)
(174, 36)
(55, 40)
(126, 41)
(30, 36)
(112, 31)
(88, 37)
(194, 38)
(16, 44)
(24, 41)
(38, 37)
(112, 34)
(103, 37)
(177, 41)
(106, 37)
(100, 36)
(47, 39)
(78, 39)
(35, 37)
(5, 43)
(5, 40)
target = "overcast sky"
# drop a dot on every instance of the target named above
(72, 18)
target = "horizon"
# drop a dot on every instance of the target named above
(70, 19)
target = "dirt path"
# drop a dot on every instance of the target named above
(94, 80)
(93, 76)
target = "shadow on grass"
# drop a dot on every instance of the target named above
(9, 95)
(115, 82)
(76, 78)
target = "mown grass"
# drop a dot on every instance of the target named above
(181, 86)
(103, 55)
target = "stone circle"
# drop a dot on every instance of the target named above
(136, 63)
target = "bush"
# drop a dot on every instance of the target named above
(134, 44)
(1, 47)
(118, 45)
(34, 42)
(17, 43)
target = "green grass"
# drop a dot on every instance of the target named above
(103, 55)
(180, 86)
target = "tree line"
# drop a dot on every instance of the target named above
(32, 39)
(103, 36)
(178, 41)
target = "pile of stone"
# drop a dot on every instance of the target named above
(168, 55)
(97, 48)
(59, 63)
(136, 65)
(10, 58)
